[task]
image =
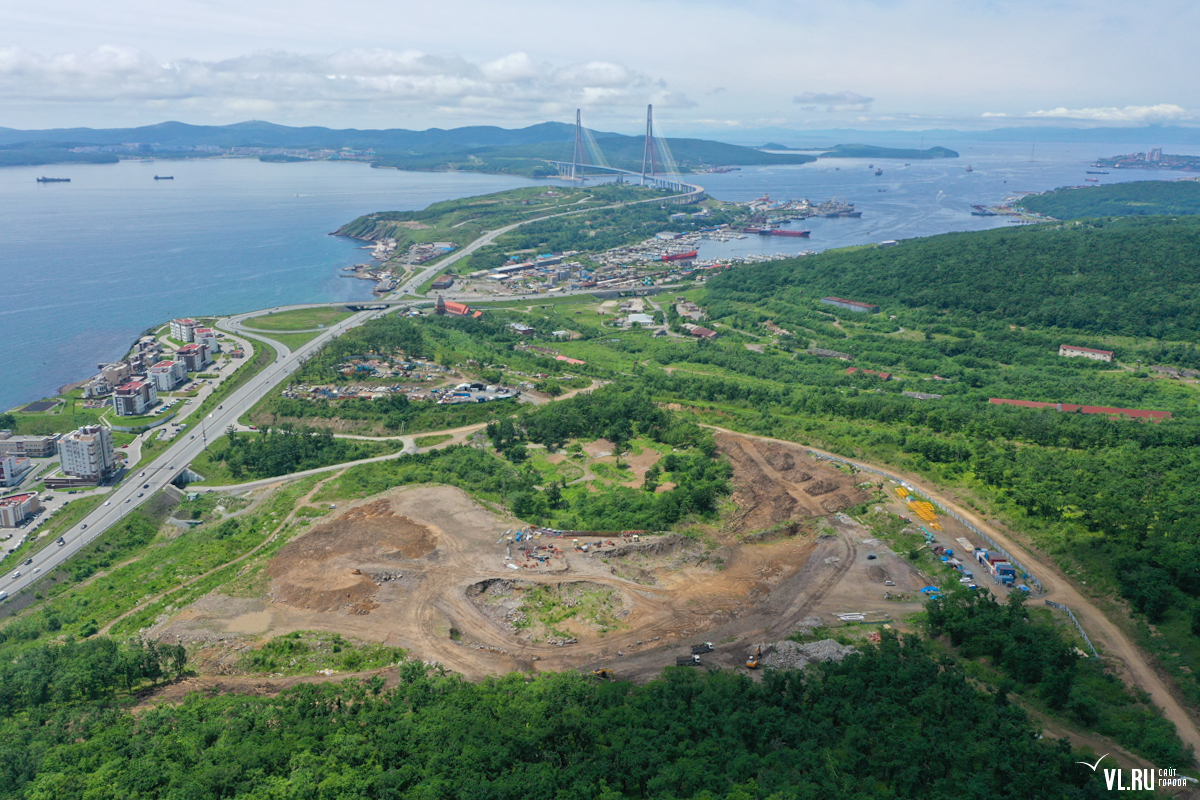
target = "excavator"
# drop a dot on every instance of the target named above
(752, 662)
(605, 674)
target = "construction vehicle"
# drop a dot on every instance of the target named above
(356, 572)
(687, 661)
(752, 662)
(703, 647)
(604, 674)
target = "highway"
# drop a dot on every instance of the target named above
(136, 489)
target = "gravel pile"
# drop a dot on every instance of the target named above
(793, 655)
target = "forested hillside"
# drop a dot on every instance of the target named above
(1139, 198)
(1134, 277)
(896, 721)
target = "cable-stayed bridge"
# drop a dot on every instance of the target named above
(658, 166)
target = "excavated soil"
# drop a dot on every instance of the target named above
(318, 571)
(436, 575)
(776, 483)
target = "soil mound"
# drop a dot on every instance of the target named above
(318, 571)
(776, 482)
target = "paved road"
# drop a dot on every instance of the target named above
(136, 489)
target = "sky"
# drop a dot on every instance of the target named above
(706, 66)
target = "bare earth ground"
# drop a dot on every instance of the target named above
(432, 578)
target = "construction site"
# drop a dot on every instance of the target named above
(436, 572)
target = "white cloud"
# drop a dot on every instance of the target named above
(279, 81)
(1162, 112)
(836, 101)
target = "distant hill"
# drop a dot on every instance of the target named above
(522, 151)
(1138, 198)
(871, 151)
(266, 134)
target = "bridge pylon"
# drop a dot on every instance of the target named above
(648, 150)
(578, 159)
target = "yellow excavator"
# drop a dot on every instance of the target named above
(605, 674)
(752, 662)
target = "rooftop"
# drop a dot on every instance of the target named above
(16, 499)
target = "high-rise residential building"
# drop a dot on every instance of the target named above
(88, 453)
(195, 356)
(184, 330)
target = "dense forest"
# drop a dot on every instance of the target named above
(895, 721)
(1138, 198)
(1133, 277)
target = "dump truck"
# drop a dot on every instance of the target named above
(703, 647)
(687, 661)
(752, 661)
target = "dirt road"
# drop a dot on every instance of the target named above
(1058, 587)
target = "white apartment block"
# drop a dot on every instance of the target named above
(184, 330)
(87, 453)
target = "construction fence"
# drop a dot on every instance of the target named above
(1078, 627)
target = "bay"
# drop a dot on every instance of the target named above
(91, 264)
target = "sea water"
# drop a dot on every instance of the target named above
(87, 266)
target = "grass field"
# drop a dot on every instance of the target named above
(300, 319)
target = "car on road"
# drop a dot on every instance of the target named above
(193, 436)
(141, 494)
(219, 408)
(127, 499)
(142, 475)
(61, 541)
(28, 561)
(84, 525)
(108, 502)
(16, 574)
(36, 570)
(145, 486)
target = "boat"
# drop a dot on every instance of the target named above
(1092, 180)
(164, 177)
(680, 256)
(53, 180)
(970, 168)
(879, 171)
(1096, 172)
(777, 232)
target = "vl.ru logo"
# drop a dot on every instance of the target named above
(1137, 779)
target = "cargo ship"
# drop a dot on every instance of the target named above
(1096, 172)
(680, 256)
(879, 171)
(53, 180)
(164, 177)
(777, 232)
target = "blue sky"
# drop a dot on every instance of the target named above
(871, 64)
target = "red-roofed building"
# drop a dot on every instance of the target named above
(1133, 413)
(134, 398)
(703, 333)
(454, 309)
(883, 376)
(194, 356)
(16, 508)
(1070, 351)
(184, 330)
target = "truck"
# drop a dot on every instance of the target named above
(703, 647)
(687, 661)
